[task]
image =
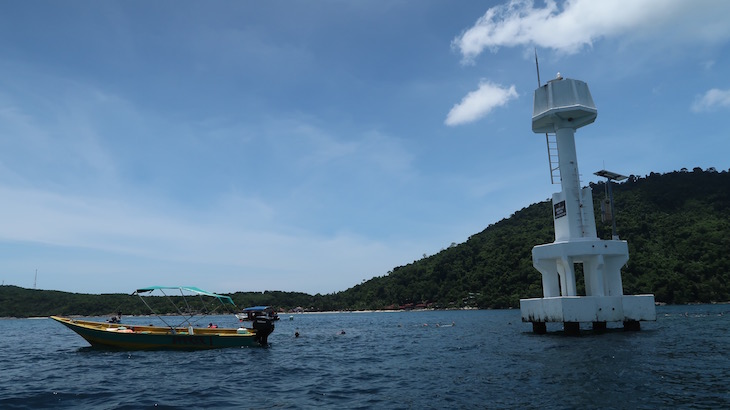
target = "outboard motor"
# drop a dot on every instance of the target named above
(263, 326)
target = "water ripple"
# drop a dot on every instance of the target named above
(405, 360)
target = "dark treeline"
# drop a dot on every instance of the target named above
(21, 302)
(677, 226)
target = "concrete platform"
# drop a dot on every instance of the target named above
(589, 309)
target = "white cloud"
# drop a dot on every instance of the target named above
(707, 65)
(134, 243)
(578, 23)
(61, 135)
(711, 100)
(479, 103)
(314, 150)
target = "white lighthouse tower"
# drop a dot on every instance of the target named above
(561, 107)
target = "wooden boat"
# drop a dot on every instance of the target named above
(180, 336)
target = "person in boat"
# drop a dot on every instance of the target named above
(116, 319)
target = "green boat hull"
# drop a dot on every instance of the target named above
(131, 337)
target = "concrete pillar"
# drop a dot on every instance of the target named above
(599, 326)
(571, 328)
(632, 325)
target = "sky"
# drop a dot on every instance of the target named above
(312, 145)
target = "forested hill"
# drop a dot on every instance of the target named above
(677, 226)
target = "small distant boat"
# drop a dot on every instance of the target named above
(183, 335)
(254, 312)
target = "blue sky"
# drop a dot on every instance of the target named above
(311, 145)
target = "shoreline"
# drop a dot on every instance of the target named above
(281, 314)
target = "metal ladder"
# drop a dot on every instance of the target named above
(553, 158)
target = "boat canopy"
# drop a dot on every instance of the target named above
(223, 299)
(256, 308)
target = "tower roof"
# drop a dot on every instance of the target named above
(562, 102)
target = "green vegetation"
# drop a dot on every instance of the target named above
(677, 226)
(21, 302)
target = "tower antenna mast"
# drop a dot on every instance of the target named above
(553, 155)
(537, 68)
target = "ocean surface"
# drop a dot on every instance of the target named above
(391, 360)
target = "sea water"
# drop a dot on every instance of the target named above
(393, 360)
